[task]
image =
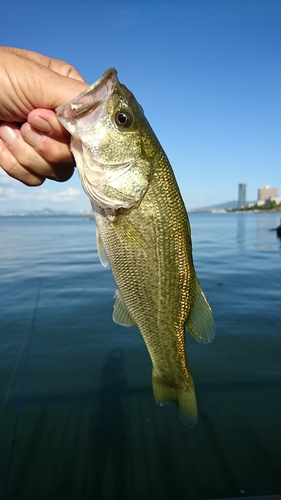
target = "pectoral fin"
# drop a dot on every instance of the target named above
(121, 314)
(100, 248)
(200, 322)
(129, 233)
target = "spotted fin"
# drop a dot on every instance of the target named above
(184, 398)
(121, 314)
(100, 249)
(200, 322)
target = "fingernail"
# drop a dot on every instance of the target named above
(8, 135)
(32, 137)
(41, 124)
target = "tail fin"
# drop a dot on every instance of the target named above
(184, 398)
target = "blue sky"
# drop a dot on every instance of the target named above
(206, 72)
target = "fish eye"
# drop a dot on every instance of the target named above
(123, 119)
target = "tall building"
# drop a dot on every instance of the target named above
(241, 195)
(266, 193)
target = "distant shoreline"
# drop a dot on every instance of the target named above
(90, 215)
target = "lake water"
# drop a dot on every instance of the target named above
(77, 415)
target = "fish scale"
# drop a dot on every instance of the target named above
(144, 231)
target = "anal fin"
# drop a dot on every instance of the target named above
(200, 322)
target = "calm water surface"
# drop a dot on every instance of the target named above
(77, 415)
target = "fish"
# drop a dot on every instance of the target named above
(142, 232)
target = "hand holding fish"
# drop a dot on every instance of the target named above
(33, 144)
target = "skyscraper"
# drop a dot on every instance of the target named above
(241, 195)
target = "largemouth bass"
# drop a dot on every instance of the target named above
(142, 231)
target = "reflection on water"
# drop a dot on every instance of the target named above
(240, 230)
(110, 430)
(258, 235)
(265, 241)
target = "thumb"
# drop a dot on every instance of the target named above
(27, 85)
(49, 89)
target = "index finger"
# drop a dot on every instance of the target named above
(45, 121)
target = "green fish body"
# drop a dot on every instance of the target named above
(142, 231)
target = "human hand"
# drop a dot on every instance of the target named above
(33, 144)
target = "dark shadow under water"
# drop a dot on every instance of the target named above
(110, 439)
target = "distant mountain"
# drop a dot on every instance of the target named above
(218, 206)
(221, 206)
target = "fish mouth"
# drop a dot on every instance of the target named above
(88, 101)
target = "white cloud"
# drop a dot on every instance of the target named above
(67, 194)
(16, 196)
(5, 179)
(63, 196)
